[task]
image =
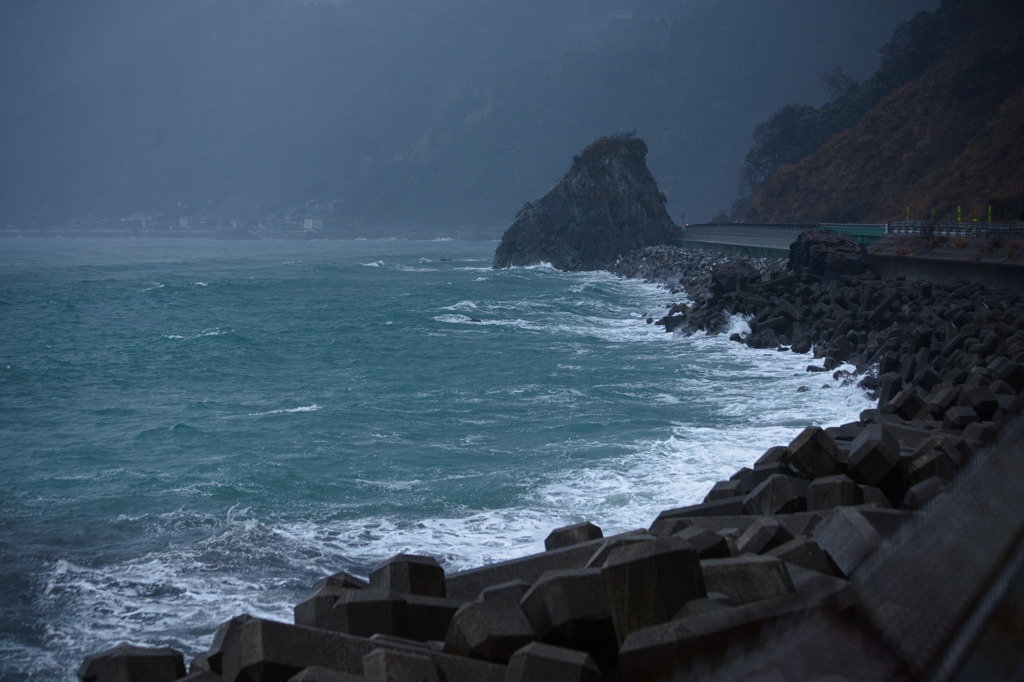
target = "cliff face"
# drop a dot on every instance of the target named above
(607, 205)
(947, 138)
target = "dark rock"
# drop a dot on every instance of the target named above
(826, 255)
(606, 206)
(733, 275)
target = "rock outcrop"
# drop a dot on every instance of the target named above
(606, 206)
(825, 254)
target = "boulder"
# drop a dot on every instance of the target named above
(825, 254)
(606, 206)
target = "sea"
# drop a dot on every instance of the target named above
(194, 429)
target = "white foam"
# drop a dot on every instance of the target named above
(461, 305)
(291, 410)
(374, 264)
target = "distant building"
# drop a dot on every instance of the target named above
(313, 224)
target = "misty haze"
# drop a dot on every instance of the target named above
(181, 113)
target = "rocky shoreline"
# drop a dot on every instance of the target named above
(698, 594)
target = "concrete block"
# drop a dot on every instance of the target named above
(875, 497)
(538, 662)
(728, 506)
(512, 590)
(572, 535)
(813, 453)
(315, 610)
(778, 494)
(908, 404)
(648, 583)
(467, 585)
(929, 462)
(778, 454)
(760, 536)
(248, 648)
(670, 651)
(663, 528)
(814, 585)
(709, 545)
(941, 398)
(754, 477)
(959, 417)
(982, 400)
(319, 674)
(426, 618)
(848, 538)
(200, 663)
(747, 578)
(833, 491)
(491, 631)
(226, 634)
(920, 494)
(268, 651)
(806, 553)
(601, 553)
(205, 676)
(367, 612)
(571, 609)
(410, 574)
(874, 458)
(389, 665)
(723, 489)
(129, 663)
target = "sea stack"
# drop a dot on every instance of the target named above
(606, 206)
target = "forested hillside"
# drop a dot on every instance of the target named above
(936, 128)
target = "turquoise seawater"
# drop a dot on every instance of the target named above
(192, 429)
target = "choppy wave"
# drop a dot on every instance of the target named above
(290, 410)
(278, 431)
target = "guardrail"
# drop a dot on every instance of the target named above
(953, 228)
(867, 233)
